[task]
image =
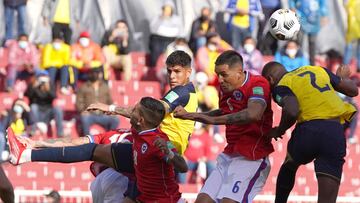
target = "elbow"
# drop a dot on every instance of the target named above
(293, 115)
(255, 117)
(354, 92)
(183, 169)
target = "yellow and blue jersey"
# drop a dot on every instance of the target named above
(313, 88)
(179, 130)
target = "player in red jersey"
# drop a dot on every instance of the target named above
(156, 181)
(108, 185)
(245, 109)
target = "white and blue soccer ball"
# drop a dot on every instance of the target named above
(284, 24)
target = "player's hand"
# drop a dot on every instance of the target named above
(98, 107)
(275, 133)
(179, 112)
(162, 145)
(343, 71)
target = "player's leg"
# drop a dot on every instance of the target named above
(285, 180)
(243, 179)
(328, 189)
(211, 187)
(330, 160)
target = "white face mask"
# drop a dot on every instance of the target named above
(56, 45)
(18, 109)
(211, 47)
(84, 42)
(291, 52)
(249, 48)
(23, 44)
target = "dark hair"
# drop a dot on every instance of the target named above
(23, 35)
(247, 38)
(178, 58)
(121, 21)
(230, 58)
(152, 110)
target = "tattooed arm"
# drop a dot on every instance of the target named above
(253, 112)
(59, 142)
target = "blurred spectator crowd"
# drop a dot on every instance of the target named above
(83, 68)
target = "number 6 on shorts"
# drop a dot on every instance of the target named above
(236, 187)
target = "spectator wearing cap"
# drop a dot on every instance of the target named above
(85, 55)
(164, 29)
(55, 60)
(116, 49)
(93, 91)
(23, 60)
(64, 16)
(41, 96)
(53, 197)
(206, 56)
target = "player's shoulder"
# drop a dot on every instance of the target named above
(258, 80)
(184, 89)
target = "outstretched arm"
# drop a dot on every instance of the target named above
(253, 112)
(110, 109)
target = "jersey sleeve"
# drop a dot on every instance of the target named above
(179, 96)
(334, 79)
(280, 92)
(260, 90)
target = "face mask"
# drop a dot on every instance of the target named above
(211, 47)
(18, 109)
(249, 48)
(84, 42)
(23, 44)
(291, 52)
(57, 45)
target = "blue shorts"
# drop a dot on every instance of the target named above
(322, 141)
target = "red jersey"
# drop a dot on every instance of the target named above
(113, 136)
(156, 179)
(249, 140)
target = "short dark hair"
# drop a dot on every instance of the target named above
(23, 35)
(269, 67)
(178, 58)
(230, 58)
(153, 111)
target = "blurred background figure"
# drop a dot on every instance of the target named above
(353, 32)
(55, 60)
(6, 189)
(206, 56)
(201, 26)
(10, 7)
(23, 60)
(61, 14)
(291, 56)
(199, 156)
(85, 55)
(253, 59)
(53, 197)
(18, 118)
(239, 21)
(93, 91)
(313, 15)
(41, 96)
(267, 44)
(116, 49)
(164, 29)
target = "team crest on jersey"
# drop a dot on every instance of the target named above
(237, 95)
(144, 148)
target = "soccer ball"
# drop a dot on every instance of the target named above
(284, 24)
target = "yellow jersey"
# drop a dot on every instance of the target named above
(313, 88)
(179, 130)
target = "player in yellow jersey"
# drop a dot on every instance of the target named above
(308, 98)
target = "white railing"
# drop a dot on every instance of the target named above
(85, 196)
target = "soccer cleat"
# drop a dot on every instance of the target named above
(16, 147)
